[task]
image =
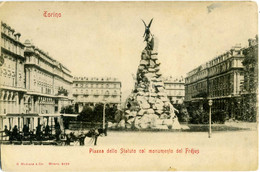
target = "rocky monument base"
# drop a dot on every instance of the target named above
(148, 105)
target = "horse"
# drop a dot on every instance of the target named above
(80, 137)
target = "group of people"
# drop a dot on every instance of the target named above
(26, 133)
(42, 133)
(11, 135)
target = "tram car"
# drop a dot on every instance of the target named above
(31, 127)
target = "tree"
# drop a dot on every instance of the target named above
(86, 114)
(110, 113)
(96, 114)
(68, 109)
(199, 116)
(183, 115)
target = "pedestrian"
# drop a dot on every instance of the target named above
(15, 132)
(57, 132)
(82, 139)
(47, 130)
(25, 130)
(68, 139)
(38, 132)
(7, 133)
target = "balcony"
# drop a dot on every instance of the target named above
(114, 94)
(95, 94)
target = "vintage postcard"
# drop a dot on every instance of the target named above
(129, 86)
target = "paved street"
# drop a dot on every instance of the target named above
(147, 151)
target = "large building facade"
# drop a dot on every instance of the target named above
(92, 90)
(12, 75)
(31, 81)
(220, 79)
(174, 88)
(48, 82)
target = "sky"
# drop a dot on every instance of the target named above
(96, 39)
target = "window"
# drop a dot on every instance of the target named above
(8, 43)
(4, 42)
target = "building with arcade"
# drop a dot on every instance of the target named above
(31, 80)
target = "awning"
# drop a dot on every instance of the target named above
(69, 115)
(22, 115)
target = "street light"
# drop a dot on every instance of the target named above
(210, 104)
(239, 106)
(104, 115)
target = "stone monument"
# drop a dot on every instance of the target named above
(148, 105)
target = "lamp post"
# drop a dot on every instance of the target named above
(210, 104)
(104, 112)
(239, 107)
(104, 115)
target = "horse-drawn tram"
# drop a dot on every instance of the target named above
(31, 128)
(41, 129)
